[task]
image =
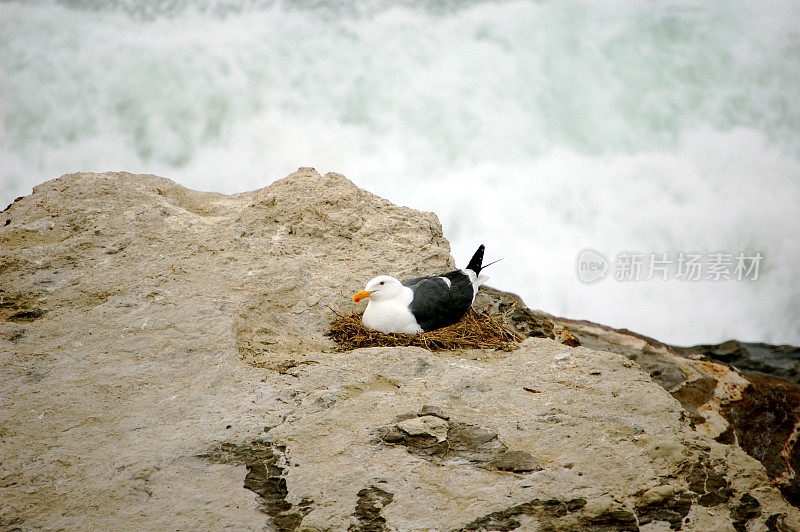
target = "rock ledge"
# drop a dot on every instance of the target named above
(164, 366)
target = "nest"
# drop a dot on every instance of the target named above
(476, 330)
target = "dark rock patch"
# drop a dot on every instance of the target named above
(746, 509)
(705, 481)
(775, 523)
(16, 336)
(27, 315)
(546, 513)
(566, 337)
(370, 502)
(12, 303)
(694, 393)
(782, 361)
(265, 477)
(11, 524)
(707, 488)
(673, 510)
(305, 505)
(612, 520)
(516, 462)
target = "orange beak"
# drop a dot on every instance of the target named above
(361, 295)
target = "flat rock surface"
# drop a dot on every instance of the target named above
(163, 365)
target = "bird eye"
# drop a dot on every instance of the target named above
(382, 282)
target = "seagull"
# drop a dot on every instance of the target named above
(422, 303)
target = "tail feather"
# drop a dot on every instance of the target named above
(493, 262)
(476, 261)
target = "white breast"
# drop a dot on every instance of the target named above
(392, 315)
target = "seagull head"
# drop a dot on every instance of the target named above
(380, 288)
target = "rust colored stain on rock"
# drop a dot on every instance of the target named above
(766, 422)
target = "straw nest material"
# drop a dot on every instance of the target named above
(476, 330)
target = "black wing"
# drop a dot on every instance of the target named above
(437, 305)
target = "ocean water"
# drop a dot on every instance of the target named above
(636, 129)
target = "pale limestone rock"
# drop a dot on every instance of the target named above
(658, 494)
(157, 344)
(425, 426)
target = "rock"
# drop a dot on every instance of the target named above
(516, 461)
(368, 510)
(425, 426)
(674, 511)
(474, 442)
(760, 413)
(606, 513)
(766, 423)
(566, 337)
(529, 323)
(658, 494)
(781, 361)
(430, 410)
(266, 477)
(177, 325)
(437, 439)
(27, 315)
(745, 511)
